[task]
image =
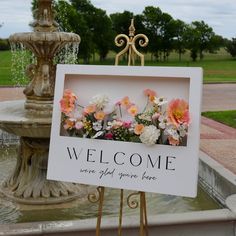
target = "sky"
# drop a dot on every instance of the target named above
(220, 15)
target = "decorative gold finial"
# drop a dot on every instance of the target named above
(132, 29)
(130, 45)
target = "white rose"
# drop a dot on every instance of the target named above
(150, 135)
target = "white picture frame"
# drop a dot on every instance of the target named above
(163, 169)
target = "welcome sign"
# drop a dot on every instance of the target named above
(133, 128)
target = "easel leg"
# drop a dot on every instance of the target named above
(143, 215)
(99, 217)
(121, 212)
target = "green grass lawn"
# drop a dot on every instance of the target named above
(5, 68)
(218, 68)
(224, 117)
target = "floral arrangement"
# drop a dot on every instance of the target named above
(160, 122)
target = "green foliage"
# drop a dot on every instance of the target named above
(121, 22)
(165, 34)
(4, 45)
(225, 117)
(231, 47)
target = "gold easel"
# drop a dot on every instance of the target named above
(132, 203)
(98, 197)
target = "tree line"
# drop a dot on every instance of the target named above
(166, 34)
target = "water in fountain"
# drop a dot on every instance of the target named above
(68, 54)
(21, 57)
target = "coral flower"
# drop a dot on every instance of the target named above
(69, 124)
(150, 94)
(125, 102)
(178, 112)
(99, 115)
(68, 101)
(138, 129)
(90, 109)
(133, 110)
(173, 141)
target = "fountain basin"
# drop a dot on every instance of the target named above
(166, 221)
(39, 37)
(14, 120)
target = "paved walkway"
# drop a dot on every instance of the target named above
(219, 97)
(217, 140)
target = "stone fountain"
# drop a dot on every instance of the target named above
(31, 119)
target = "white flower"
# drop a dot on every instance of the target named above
(160, 101)
(172, 132)
(97, 126)
(114, 124)
(150, 135)
(100, 101)
(98, 134)
(145, 116)
(182, 130)
(163, 122)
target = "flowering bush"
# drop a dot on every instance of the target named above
(160, 121)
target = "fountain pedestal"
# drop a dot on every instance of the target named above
(28, 184)
(31, 119)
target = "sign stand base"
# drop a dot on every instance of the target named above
(132, 203)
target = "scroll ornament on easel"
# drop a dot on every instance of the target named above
(130, 47)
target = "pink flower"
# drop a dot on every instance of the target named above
(109, 136)
(156, 116)
(118, 103)
(127, 124)
(79, 125)
(68, 102)
(178, 112)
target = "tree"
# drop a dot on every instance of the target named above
(102, 32)
(231, 47)
(180, 39)
(99, 26)
(167, 33)
(121, 22)
(152, 17)
(200, 38)
(71, 20)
